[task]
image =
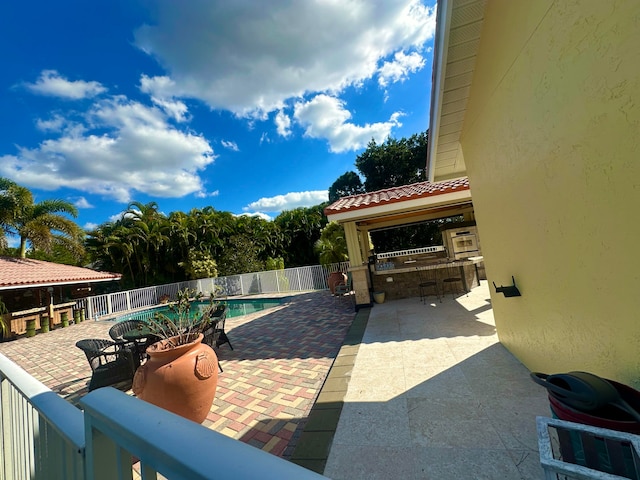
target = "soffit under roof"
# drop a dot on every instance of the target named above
(457, 40)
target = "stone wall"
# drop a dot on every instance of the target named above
(405, 284)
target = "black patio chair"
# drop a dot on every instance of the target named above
(111, 362)
(220, 316)
(120, 328)
(211, 335)
(117, 331)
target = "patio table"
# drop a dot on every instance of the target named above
(141, 337)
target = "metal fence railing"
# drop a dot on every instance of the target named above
(300, 279)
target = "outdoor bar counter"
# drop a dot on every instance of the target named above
(18, 320)
(401, 278)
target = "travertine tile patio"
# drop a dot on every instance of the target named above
(434, 395)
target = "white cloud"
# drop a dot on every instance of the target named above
(51, 83)
(261, 215)
(283, 124)
(399, 69)
(118, 216)
(230, 145)
(123, 146)
(204, 194)
(54, 124)
(82, 202)
(326, 117)
(158, 89)
(90, 226)
(289, 201)
(251, 57)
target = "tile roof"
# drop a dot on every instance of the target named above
(396, 194)
(26, 272)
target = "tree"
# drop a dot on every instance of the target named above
(300, 229)
(347, 184)
(393, 163)
(200, 264)
(38, 224)
(332, 244)
(240, 256)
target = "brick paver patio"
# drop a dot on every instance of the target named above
(280, 360)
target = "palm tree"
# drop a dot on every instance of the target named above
(332, 246)
(39, 224)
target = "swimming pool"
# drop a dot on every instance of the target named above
(235, 308)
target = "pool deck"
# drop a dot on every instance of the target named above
(270, 381)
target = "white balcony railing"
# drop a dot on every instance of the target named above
(42, 434)
(45, 437)
(413, 251)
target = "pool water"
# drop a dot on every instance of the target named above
(235, 308)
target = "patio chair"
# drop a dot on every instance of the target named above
(117, 331)
(110, 362)
(427, 281)
(119, 328)
(211, 335)
(220, 315)
(341, 290)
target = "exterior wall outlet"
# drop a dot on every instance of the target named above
(389, 279)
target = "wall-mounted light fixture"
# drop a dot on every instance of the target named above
(509, 290)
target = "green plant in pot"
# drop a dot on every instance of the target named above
(181, 374)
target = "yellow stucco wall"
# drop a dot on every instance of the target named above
(552, 146)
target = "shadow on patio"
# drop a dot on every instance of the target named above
(428, 393)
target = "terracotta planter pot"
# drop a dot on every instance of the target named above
(336, 278)
(181, 379)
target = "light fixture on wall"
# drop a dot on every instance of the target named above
(509, 290)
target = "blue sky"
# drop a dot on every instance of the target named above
(251, 107)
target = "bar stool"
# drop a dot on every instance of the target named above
(452, 277)
(427, 281)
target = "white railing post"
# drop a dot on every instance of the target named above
(109, 307)
(7, 441)
(128, 300)
(42, 434)
(89, 312)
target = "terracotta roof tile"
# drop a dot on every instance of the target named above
(18, 272)
(396, 194)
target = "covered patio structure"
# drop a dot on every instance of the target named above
(392, 208)
(31, 290)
